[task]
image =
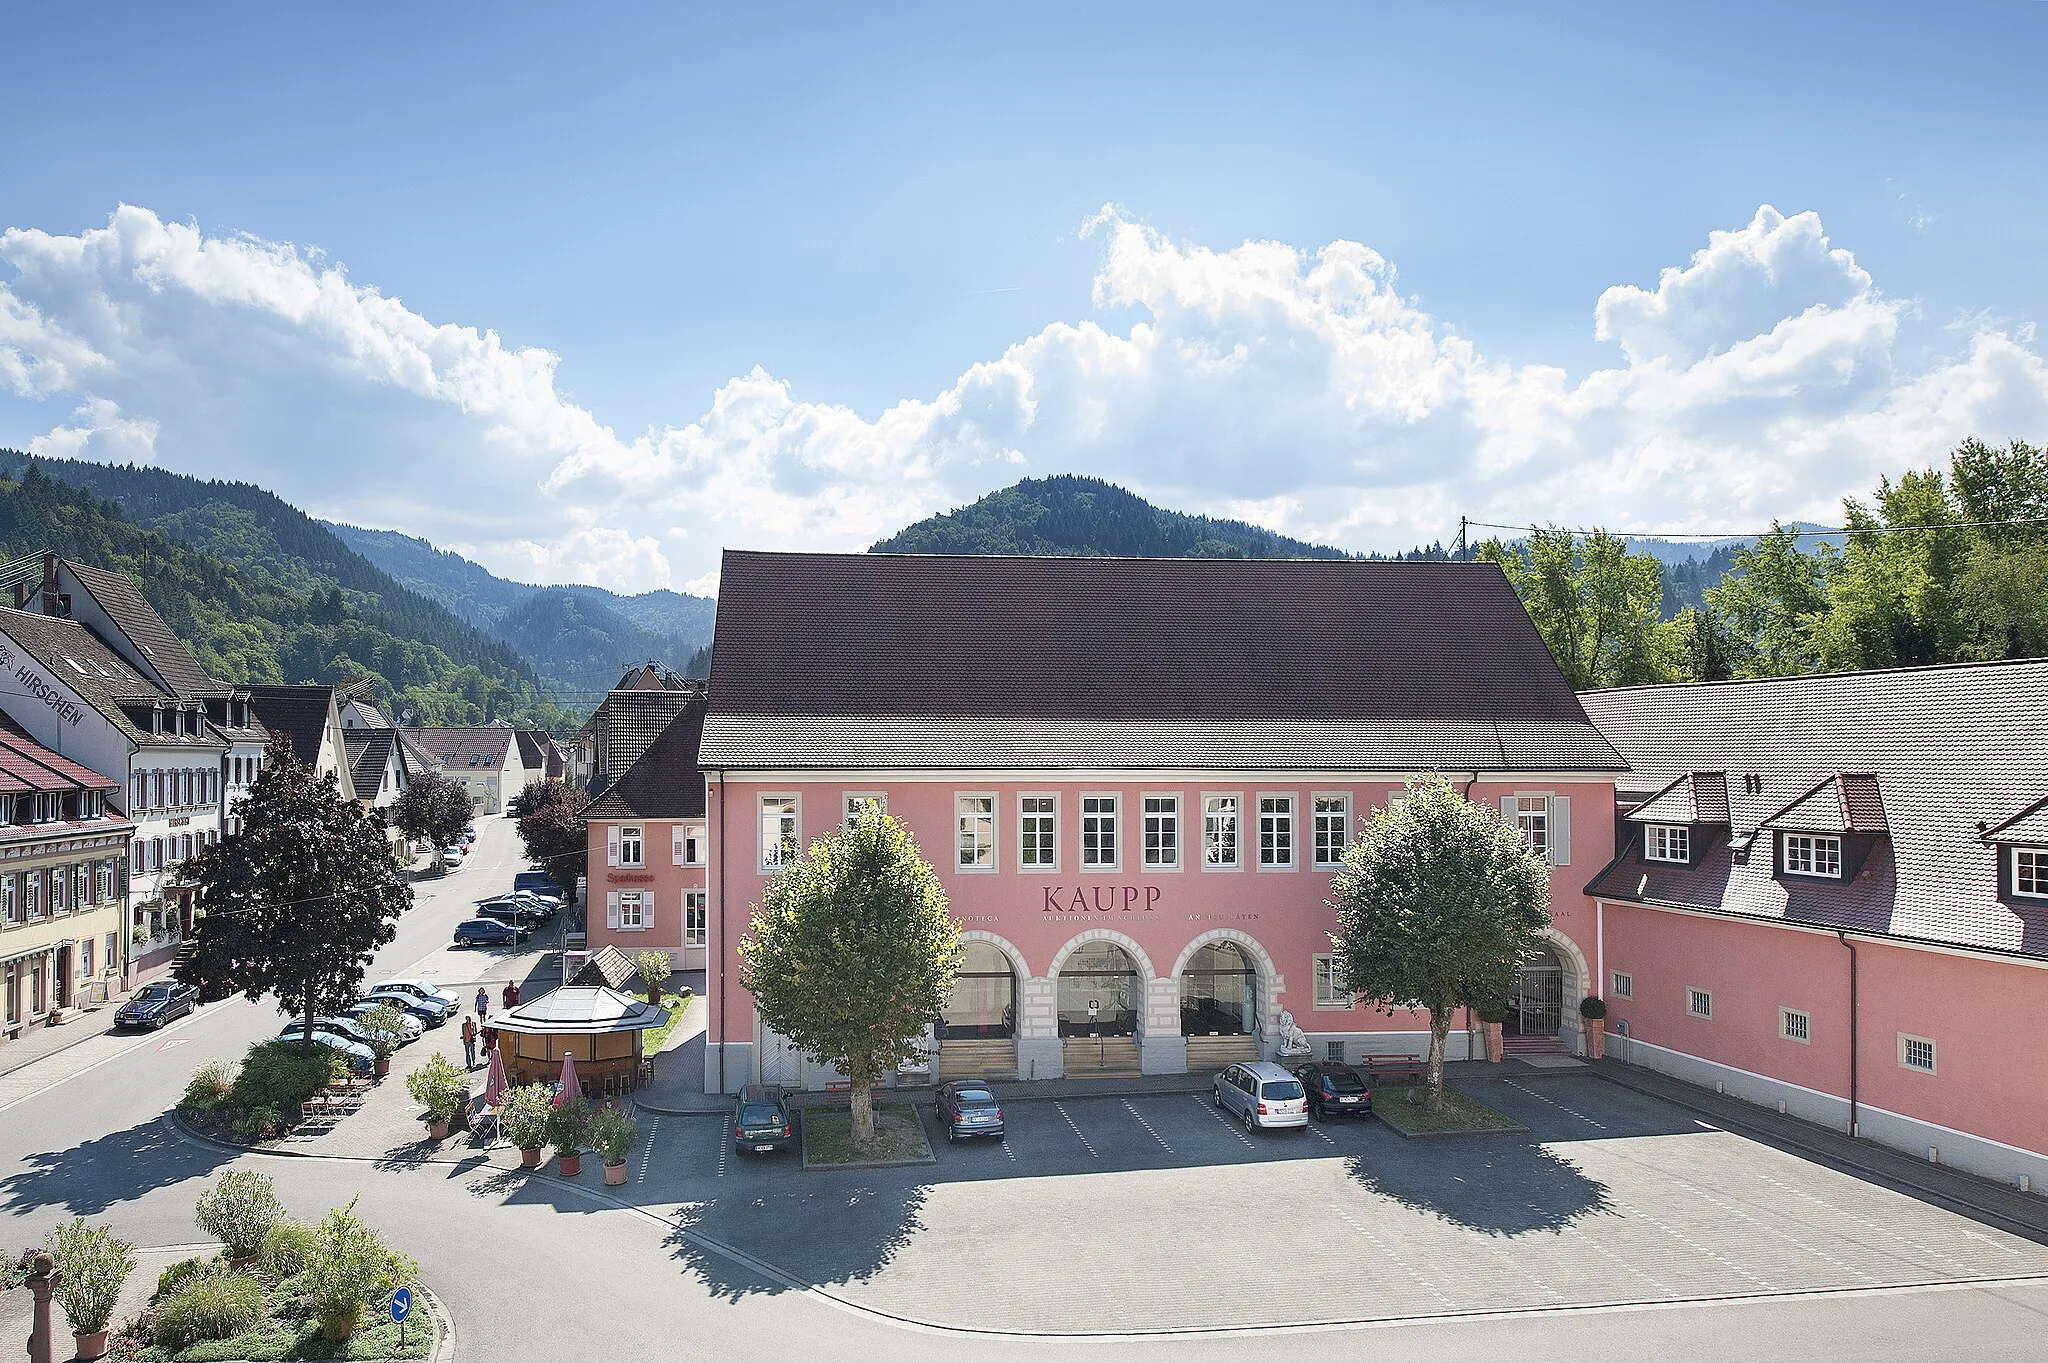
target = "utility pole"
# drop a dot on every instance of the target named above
(1461, 539)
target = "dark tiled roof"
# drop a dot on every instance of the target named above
(298, 712)
(1052, 662)
(1909, 763)
(665, 783)
(73, 654)
(369, 752)
(2030, 825)
(628, 722)
(122, 600)
(608, 967)
(1697, 797)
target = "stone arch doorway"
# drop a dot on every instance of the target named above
(1102, 974)
(1219, 992)
(982, 1004)
(1537, 1008)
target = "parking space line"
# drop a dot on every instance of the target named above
(724, 1145)
(1543, 1098)
(1589, 1242)
(1318, 1133)
(1786, 1236)
(647, 1152)
(1140, 1117)
(1004, 1141)
(1694, 1245)
(1424, 1281)
(1056, 1107)
(1228, 1125)
(1953, 1263)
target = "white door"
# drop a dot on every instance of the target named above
(782, 1065)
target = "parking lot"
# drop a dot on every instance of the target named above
(1154, 1212)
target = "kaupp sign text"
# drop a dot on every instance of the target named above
(1101, 899)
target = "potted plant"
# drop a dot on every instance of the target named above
(349, 1267)
(239, 1211)
(440, 1088)
(1593, 1012)
(526, 1121)
(567, 1124)
(655, 969)
(91, 1266)
(612, 1134)
(384, 1028)
(1491, 1016)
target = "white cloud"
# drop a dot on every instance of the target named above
(1297, 388)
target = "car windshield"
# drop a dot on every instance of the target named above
(1343, 1081)
(1280, 1089)
(760, 1114)
(155, 993)
(976, 1098)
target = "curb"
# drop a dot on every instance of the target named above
(804, 1158)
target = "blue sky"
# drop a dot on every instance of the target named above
(672, 280)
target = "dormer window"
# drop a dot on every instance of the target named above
(1667, 842)
(1812, 855)
(2030, 872)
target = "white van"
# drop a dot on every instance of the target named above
(1262, 1095)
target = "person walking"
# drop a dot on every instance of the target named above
(511, 995)
(483, 1002)
(469, 1043)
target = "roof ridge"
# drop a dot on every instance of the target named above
(1983, 664)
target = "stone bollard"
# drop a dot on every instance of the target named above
(42, 1281)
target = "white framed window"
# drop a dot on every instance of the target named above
(696, 918)
(1330, 993)
(1699, 1003)
(110, 959)
(1624, 985)
(7, 908)
(1331, 814)
(632, 845)
(1276, 832)
(32, 895)
(1038, 832)
(1810, 855)
(779, 845)
(859, 802)
(1916, 1053)
(1162, 832)
(2030, 871)
(104, 886)
(1532, 818)
(1099, 832)
(1795, 1024)
(631, 918)
(1220, 828)
(974, 837)
(1667, 842)
(60, 890)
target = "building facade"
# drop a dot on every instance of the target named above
(483, 758)
(649, 853)
(1134, 779)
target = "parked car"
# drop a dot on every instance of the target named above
(967, 1108)
(545, 903)
(487, 932)
(512, 912)
(1262, 1094)
(410, 1028)
(759, 1124)
(424, 992)
(418, 1009)
(361, 1058)
(540, 882)
(1334, 1089)
(156, 1004)
(451, 857)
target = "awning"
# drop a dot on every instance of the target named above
(581, 1011)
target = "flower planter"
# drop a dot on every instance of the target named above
(1596, 1037)
(572, 1165)
(438, 1129)
(530, 1159)
(615, 1174)
(90, 1345)
(382, 1067)
(1493, 1041)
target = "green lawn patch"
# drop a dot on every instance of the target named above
(899, 1138)
(1461, 1115)
(652, 1043)
(290, 1332)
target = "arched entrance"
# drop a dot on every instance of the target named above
(1219, 992)
(1537, 1009)
(983, 1002)
(1103, 974)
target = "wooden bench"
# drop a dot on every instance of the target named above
(1394, 1068)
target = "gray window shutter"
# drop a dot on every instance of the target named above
(1560, 830)
(1507, 810)
(611, 855)
(611, 910)
(676, 838)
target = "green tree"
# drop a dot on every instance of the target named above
(434, 807)
(1596, 605)
(1770, 602)
(297, 902)
(1438, 904)
(554, 829)
(851, 952)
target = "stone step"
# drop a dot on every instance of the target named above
(978, 1058)
(1217, 1052)
(1110, 1057)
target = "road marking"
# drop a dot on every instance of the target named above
(1693, 1245)
(1955, 1264)
(1589, 1242)
(1147, 1125)
(724, 1144)
(647, 1152)
(174, 1041)
(36, 1077)
(1427, 1284)
(1004, 1141)
(1056, 1107)
(1228, 1125)
(1789, 1238)
(1317, 1132)
(1542, 1098)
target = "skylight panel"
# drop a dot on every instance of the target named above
(76, 666)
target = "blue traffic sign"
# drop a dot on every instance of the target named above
(401, 1303)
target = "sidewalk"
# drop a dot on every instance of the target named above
(81, 1026)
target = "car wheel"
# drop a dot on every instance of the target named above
(952, 1136)
(1216, 1096)
(1249, 1124)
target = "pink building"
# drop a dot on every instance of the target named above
(1831, 896)
(647, 860)
(1135, 777)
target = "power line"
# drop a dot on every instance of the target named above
(1799, 532)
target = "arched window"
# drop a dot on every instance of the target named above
(1219, 992)
(984, 998)
(1101, 973)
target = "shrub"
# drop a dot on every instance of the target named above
(567, 1124)
(174, 1277)
(655, 969)
(282, 1075)
(527, 1114)
(1495, 1013)
(287, 1249)
(385, 1028)
(612, 1135)
(1592, 1006)
(239, 1211)
(91, 1265)
(218, 1304)
(257, 1122)
(210, 1085)
(351, 1268)
(439, 1087)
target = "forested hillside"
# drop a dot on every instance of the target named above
(264, 594)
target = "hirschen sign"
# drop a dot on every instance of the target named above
(39, 686)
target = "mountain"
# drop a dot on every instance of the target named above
(263, 594)
(579, 638)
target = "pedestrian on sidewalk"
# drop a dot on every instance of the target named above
(511, 995)
(483, 1002)
(469, 1043)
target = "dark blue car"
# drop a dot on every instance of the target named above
(484, 932)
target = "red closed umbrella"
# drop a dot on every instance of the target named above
(570, 1088)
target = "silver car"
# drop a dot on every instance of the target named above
(1262, 1095)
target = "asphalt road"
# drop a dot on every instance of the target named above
(532, 1268)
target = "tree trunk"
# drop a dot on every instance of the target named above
(863, 1094)
(306, 1041)
(1439, 1037)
